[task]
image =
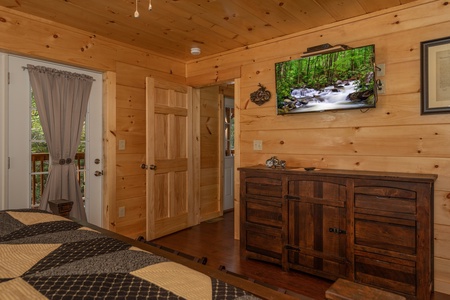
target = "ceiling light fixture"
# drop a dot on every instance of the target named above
(136, 13)
(195, 51)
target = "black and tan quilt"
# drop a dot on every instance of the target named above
(45, 256)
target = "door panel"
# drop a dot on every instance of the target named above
(317, 226)
(19, 152)
(171, 201)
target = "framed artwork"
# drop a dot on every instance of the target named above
(435, 76)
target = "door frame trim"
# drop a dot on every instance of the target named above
(237, 155)
(3, 129)
(109, 151)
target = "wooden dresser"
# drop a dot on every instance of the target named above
(374, 228)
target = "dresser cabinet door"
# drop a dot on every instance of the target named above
(388, 235)
(317, 229)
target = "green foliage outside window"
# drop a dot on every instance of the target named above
(38, 144)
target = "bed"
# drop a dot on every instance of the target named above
(46, 256)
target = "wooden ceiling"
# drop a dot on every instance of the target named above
(173, 27)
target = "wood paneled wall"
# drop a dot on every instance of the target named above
(392, 137)
(210, 162)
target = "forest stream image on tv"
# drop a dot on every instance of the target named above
(331, 81)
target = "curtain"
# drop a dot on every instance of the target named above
(61, 100)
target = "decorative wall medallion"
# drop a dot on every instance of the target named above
(261, 95)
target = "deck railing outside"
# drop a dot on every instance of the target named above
(39, 173)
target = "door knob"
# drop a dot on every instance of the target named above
(152, 167)
(98, 173)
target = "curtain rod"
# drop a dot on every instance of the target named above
(53, 70)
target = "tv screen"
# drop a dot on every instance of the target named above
(344, 79)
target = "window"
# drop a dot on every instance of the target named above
(229, 131)
(39, 156)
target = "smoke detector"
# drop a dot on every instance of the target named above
(195, 51)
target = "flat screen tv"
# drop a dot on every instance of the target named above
(343, 79)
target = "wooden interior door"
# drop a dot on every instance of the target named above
(172, 174)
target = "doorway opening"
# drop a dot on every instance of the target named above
(217, 150)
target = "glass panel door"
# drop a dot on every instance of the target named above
(27, 151)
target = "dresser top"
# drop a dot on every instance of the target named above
(344, 173)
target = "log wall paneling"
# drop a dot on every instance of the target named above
(210, 169)
(441, 275)
(131, 127)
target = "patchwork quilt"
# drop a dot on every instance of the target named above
(45, 256)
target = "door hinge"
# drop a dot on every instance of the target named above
(9, 78)
(9, 162)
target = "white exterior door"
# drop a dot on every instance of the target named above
(19, 132)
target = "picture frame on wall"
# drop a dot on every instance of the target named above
(435, 76)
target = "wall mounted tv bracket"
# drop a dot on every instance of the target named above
(381, 86)
(325, 48)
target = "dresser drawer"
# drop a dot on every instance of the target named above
(385, 197)
(264, 212)
(262, 240)
(394, 275)
(386, 233)
(263, 186)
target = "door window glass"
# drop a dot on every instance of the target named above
(229, 131)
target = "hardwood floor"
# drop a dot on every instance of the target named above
(215, 241)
